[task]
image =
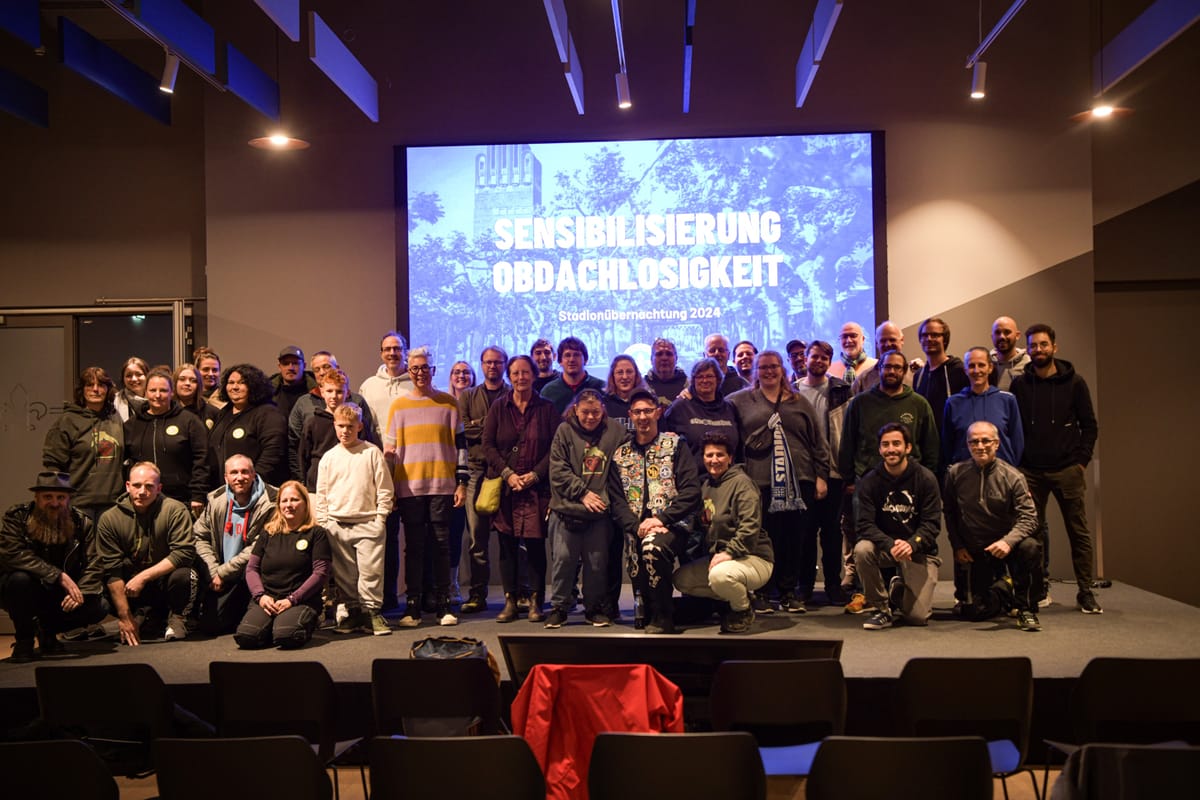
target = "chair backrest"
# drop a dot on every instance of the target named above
(54, 769)
(651, 766)
(988, 697)
(429, 688)
(901, 768)
(1100, 771)
(275, 698)
(780, 702)
(402, 767)
(118, 707)
(1136, 701)
(256, 767)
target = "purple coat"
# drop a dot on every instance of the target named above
(520, 443)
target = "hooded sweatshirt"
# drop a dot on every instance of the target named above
(379, 391)
(669, 389)
(731, 516)
(939, 383)
(177, 443)
(222, 513)
(994, 406)
(128, 542)
(579, 463)
(907, 507)
(692, 418)
(870, 411)
(91, 449)
(1057, 416)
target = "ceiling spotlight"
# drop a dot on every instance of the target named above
(169, 74)
(979, 81)
(623, 99)
(279, 141)
(1102, 109)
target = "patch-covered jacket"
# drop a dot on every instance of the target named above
(654, 480)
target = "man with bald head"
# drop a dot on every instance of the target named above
(1010, 360)
(888, 337)
(716, 346)
(853, 359)
(991, 519)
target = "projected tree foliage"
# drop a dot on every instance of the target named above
(764, 239)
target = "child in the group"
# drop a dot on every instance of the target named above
(354, 497)
(319, 436)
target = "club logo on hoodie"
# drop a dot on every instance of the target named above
(900, 504)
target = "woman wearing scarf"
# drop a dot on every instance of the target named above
(787, 457)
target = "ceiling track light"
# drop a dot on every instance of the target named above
(623, 98)
(169, 74)
(979, 80)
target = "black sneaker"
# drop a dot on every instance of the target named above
(737, 621)
(660, 624)
(475, 604)
(1028, 621)
(598, 619)
(1088, 604)
(896, 591)
(760, 605)
(881, 619)
(792, 604)
(557, 618)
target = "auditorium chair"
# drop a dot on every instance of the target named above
(500, 767)
(250, 767)
(653, 766)
(901, 768)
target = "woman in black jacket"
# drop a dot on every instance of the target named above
(249, 425)
(175, 441)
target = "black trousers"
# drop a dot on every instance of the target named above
(288, 629)
(426, 525)
(822, 525)
(30, 602)
(787, 530)
(652, 565)
(987, 594)
(212, 612)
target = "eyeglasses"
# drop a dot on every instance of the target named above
(769, 367)
(493, 363)
(466, 372)
(930, 335)
(981, 442)
(642, 412)
(422, 370)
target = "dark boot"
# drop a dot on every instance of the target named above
(509, 612)
(535, 608)
(22, 652)
(48, 642)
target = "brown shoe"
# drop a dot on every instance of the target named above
(535, 608)
(857, 604)
(509, 612)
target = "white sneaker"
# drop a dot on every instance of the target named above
(1045, 601)
(448, 619)
(340, 613)
(176, 628)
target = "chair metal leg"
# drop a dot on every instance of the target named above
(1033, 780)
(362, 774)
(334, 778)
(1004, 785)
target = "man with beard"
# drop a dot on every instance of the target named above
(542, 354)
(1009, 359)
(1060, 435)
(797, 353)
(888, 337)
(828, 396)
(665, 377)
(292, 381)
(139, 542)
(853, 360)
(898, 518)
(45, 584)
(225, 533)
(473, 406)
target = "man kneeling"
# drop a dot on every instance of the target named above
(991, 519)
(731, 517)
(897, 518)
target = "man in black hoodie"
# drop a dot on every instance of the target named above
(1060, 434)
(898, 516)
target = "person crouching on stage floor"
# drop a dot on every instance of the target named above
(139, 542)
(992, 521)
(580, 459)
(285, 574)
(655, 491)
(225, 533)
(898, 516)
(45, 583)
(731, 517)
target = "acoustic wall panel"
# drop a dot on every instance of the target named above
(20, 18)
(250, 83)
(24, 100)
(105, 67)
(182, 29)
(328, 52)
(285, 14)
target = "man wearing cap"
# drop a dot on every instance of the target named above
(797, 353)
(45, 583)
(292, 381)
(139, 542)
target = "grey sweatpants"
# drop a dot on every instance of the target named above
(919, 576)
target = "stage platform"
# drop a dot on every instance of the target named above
(1134, 623)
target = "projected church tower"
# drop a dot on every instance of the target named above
(508, 183)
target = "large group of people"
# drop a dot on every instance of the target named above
(203, 500)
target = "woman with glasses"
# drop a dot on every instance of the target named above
(707, 410)
(787, 456)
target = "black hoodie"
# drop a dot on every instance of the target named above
(177, 443)
(1057, 416)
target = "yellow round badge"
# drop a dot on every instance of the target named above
(172, 430)
(238, 433)
(208, 422)
(302, 544)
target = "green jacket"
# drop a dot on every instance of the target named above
(731, 516)
(870, 411)
(127, 543)
(90, 448)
